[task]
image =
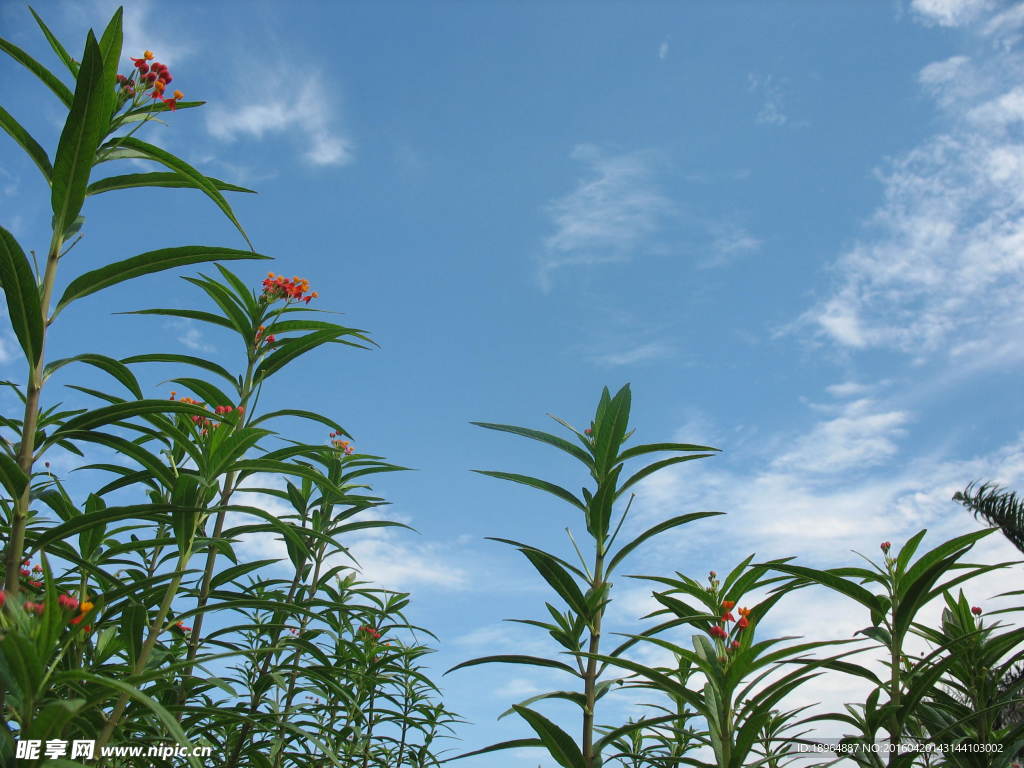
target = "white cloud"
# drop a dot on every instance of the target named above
(847, 389)
(729, 242)
(663, 50)
(611, 213)
(819, 510)
(940, 268)
(284, 101)
(517, 688)
(772, 111)
(861, 435)
(8, 346)
(949, 13)
(654, 350)
(140, 27)
(189, 334)
(389, 557)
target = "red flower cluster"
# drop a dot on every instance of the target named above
(343, 445)
(31, 577)
(375, 634)
(885, 546)
(149, 76)
(182, 627)
(976, 610)
(280, 287)
(259, 331)
(67, 602)
(719, 631)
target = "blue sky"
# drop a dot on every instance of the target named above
(795, 228)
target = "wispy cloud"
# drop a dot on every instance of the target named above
(286, 100)
(949, 13)
(654, 350)
(389, 557)
(940, 267)
(824, 512)
(860, 435)
(772, 109)
(613, 211)
(189, 334)
(663, 50)
(729, 241)
(141, 28)
(8, 346)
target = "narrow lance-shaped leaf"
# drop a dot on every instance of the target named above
(55, 44)
(543, 437)
(559, 744)
(86, 125)
(22, 294)
(534, 482)
(179, 166)
(655, 530)
(289, 349)
(24, 139)
(145, 264)
(51, 80)
(158, 179)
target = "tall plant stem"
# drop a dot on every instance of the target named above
(26, 457)
(218, 528)
(155, 630)
(591, 673)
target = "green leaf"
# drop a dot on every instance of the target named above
(179, 166)
(289, 349)
(109, 414)
(55, 44)
(303, 415)
(640, 450)
(104, 363)
(513, 744)
(22, 294)
(832, 581)
(189, 314)
(166, 718)
(26, 142)
(532, 661)
(533, 482)
(610, 429)
(158, 179)
(12, 477)
(652, 468)
(560, 745)
(145, 264)
(559, 579)
(37, 69)
(199, 362)
(655, 530)
(205, 391)
(543, 437)
(86, 125)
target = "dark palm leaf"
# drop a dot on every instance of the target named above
(998, 507)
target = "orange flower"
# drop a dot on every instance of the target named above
(727, 605)
(744, 611)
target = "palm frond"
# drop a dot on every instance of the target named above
(998, 507)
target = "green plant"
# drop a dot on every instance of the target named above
(585, 590)
(907, 585)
